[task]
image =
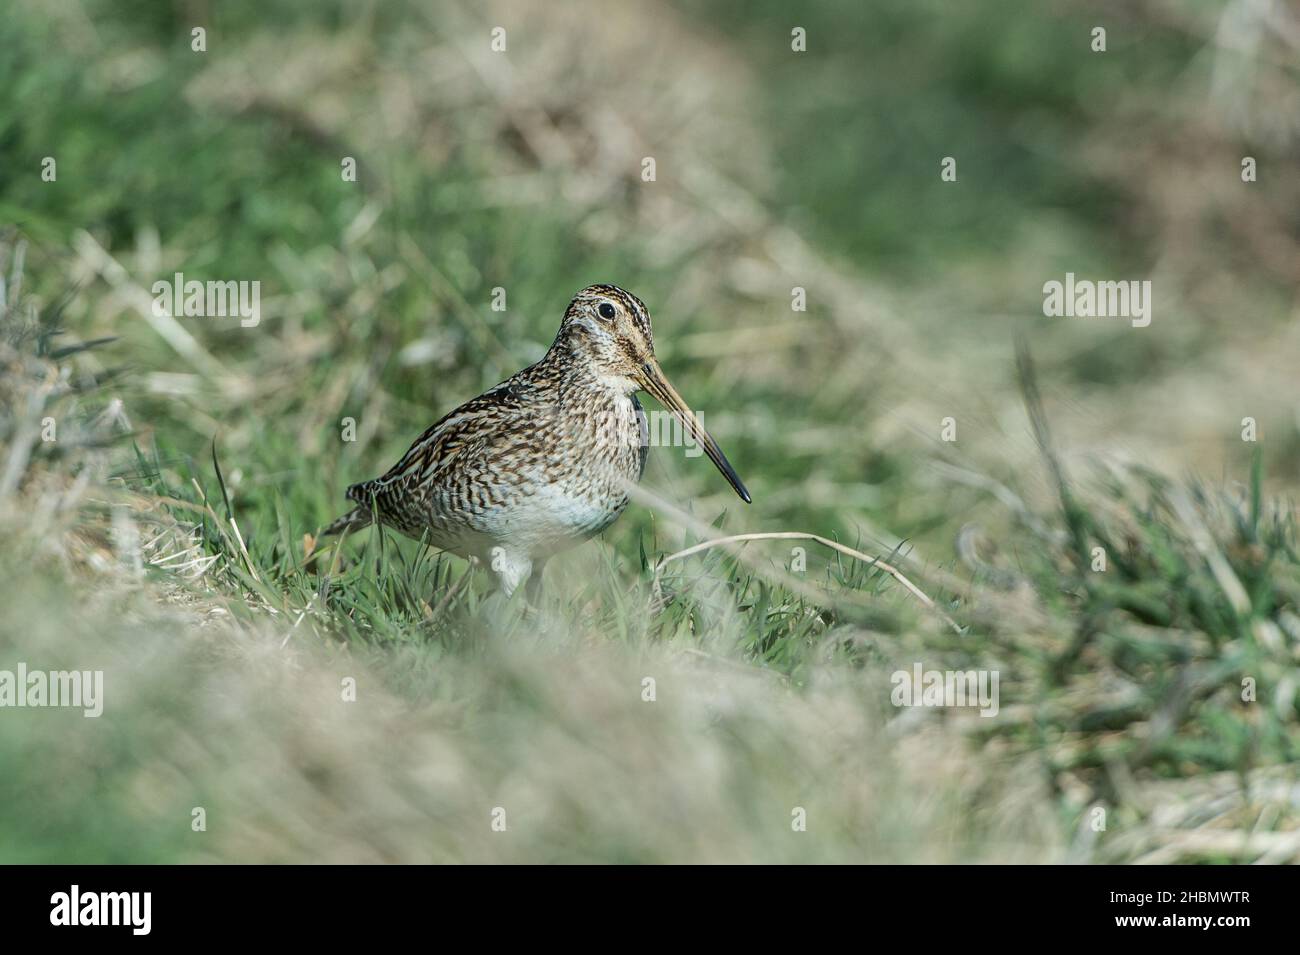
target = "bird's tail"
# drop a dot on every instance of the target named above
(353, 520)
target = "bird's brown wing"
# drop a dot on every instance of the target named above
(441, 449)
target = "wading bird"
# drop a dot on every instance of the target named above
(544, 460)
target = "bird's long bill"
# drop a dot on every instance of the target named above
(655, 382)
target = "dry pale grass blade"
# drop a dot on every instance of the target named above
(876, 562)
(1205, 545)
(680, 517)
(1201, 845)
(788, 580)
(100, 262)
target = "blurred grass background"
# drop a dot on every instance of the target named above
(774, 170)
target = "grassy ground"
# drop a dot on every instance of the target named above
(160, 535)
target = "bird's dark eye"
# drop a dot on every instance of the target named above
(606, 310)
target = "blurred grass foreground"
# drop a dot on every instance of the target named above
(1101, 516)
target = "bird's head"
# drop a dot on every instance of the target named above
(608, 330)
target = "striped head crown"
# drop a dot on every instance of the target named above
(607, 310)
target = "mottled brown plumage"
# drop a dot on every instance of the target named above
(544, 460)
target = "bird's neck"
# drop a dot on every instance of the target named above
(581, 376)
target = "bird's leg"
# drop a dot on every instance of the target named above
(511, 567)
(533, 589)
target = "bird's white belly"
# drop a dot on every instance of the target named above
(554, 517)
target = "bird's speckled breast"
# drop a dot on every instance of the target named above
(544, 482)
(578, 484)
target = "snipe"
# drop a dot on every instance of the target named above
(544, 460)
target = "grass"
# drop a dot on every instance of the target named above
(160, 536)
